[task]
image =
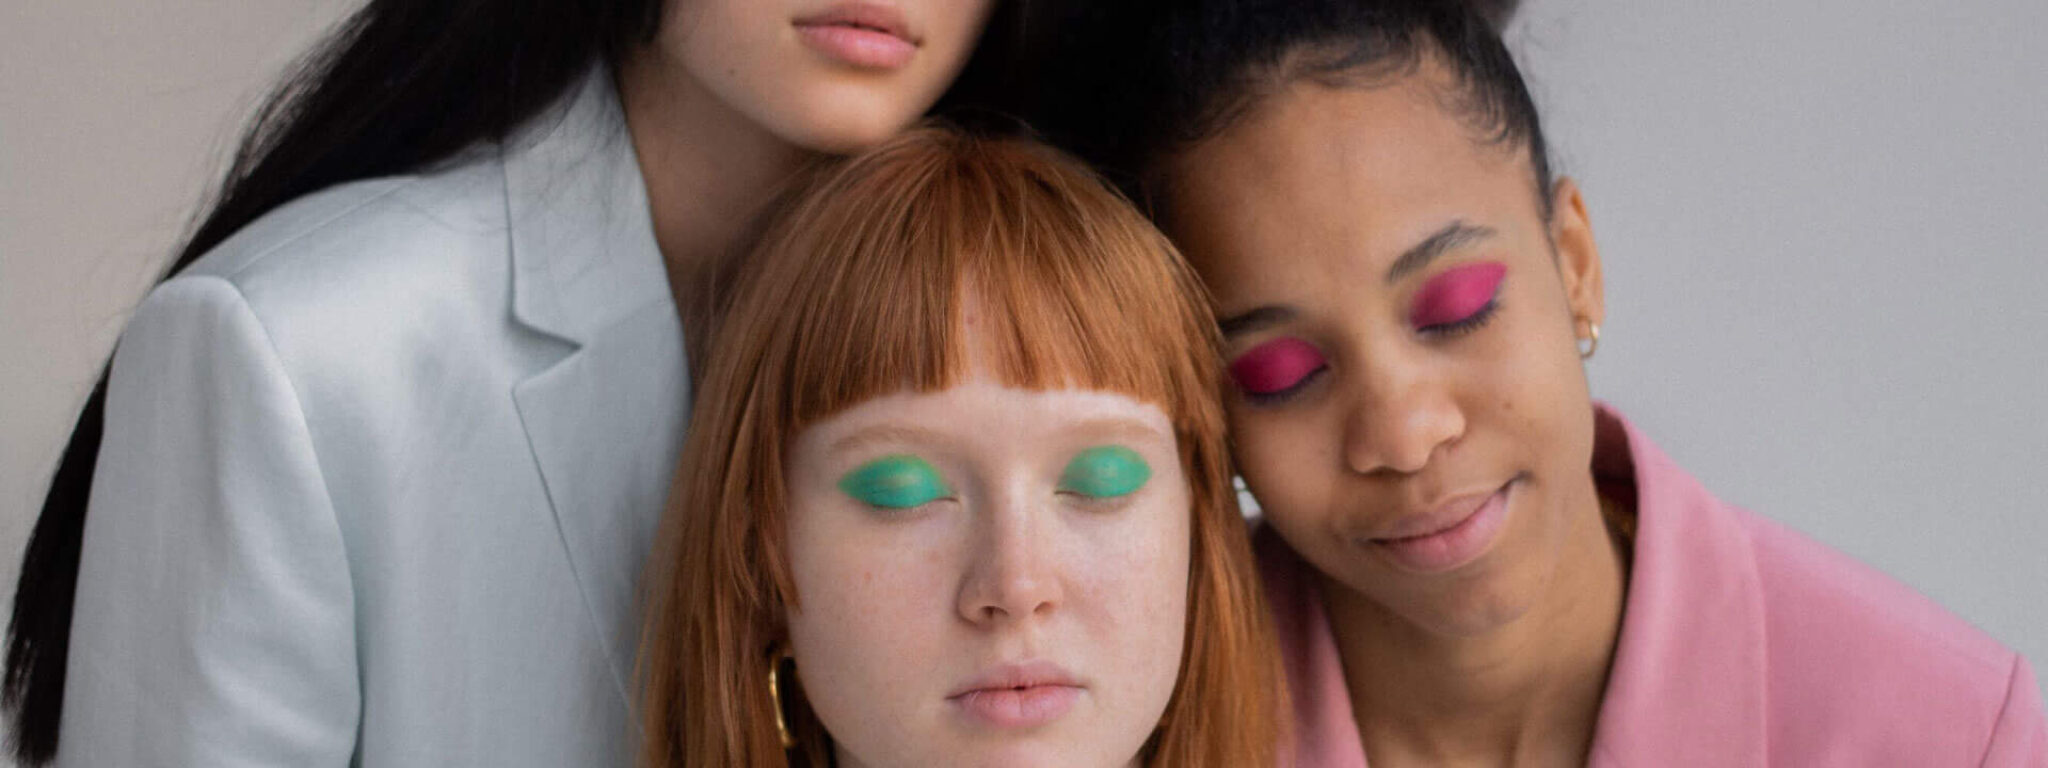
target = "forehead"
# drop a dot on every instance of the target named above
(1320, 169)
(983, 416)
(981, 402)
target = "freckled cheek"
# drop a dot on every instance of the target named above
(1131, 581)
(866, 639)
(858, 601)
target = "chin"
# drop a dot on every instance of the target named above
(847, 119)
(1023, 754)
(1482, 611)
(1484, 598)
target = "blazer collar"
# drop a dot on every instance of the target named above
(604, 412)
(1688, 684)
(583, 249)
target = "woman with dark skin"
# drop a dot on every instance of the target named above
(374, 470)
(1472, 562)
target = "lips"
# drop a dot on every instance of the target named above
(1448, 536)
(1023, 695)
(863, 35)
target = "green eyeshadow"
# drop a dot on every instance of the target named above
(1105, 471)
(895, 482)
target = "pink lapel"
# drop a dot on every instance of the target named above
(1324, 734)
(1688, 682)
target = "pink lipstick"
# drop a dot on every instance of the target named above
(862, 35)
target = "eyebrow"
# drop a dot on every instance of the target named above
(884, 434)
(1451, 236)
(1118, 428)
(1440, 242)
(1096, 428)
(1262, 317)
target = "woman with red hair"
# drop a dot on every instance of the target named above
(956, 489)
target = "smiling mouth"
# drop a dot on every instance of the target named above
(1449, 541)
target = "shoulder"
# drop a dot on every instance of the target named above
(361, 241)
(1855, 654)
(357, 287)
(385, 259)
(1741, 633)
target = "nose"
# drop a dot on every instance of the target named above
(1011, 575)
(1400, 414)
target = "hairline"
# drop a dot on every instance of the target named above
(1415, 58)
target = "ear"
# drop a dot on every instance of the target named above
(1578, 257)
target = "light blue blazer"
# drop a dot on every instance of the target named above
(380, 472)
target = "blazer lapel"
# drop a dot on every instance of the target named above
(1688, 685)
(605, 418)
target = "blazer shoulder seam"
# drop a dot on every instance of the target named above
(391, 194)
(276, 358)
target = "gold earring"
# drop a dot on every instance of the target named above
(1592, 341)
(775, 659)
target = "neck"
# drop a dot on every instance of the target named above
(708, 168)
(1526, 691)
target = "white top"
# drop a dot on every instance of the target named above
(380, 471)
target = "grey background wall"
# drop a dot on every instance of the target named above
(1823, 223)
(115, 115)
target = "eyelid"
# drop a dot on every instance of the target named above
(1104, 472)
(1276, 366)
(898, 481)
(1456, 295)
(1470, 323)
(1263, 399)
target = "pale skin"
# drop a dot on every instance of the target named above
(727, 102)
(1296, 216)
(900, 608)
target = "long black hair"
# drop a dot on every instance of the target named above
(399, 85)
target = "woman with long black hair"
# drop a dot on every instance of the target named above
(372, 474)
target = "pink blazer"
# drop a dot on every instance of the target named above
(1743, 643)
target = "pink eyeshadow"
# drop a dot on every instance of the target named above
(1275, 366)
(1456, 294)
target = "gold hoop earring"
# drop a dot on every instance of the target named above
(1592, 341)
(775, 659)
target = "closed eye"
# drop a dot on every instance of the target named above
(1275, 370)
(1460, 299)
(894, 482)
(1465, 325)
(1280, 396)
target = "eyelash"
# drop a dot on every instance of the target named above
(1451, 330)
(1098, 505)
(1472, 322)
(1262, 399)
